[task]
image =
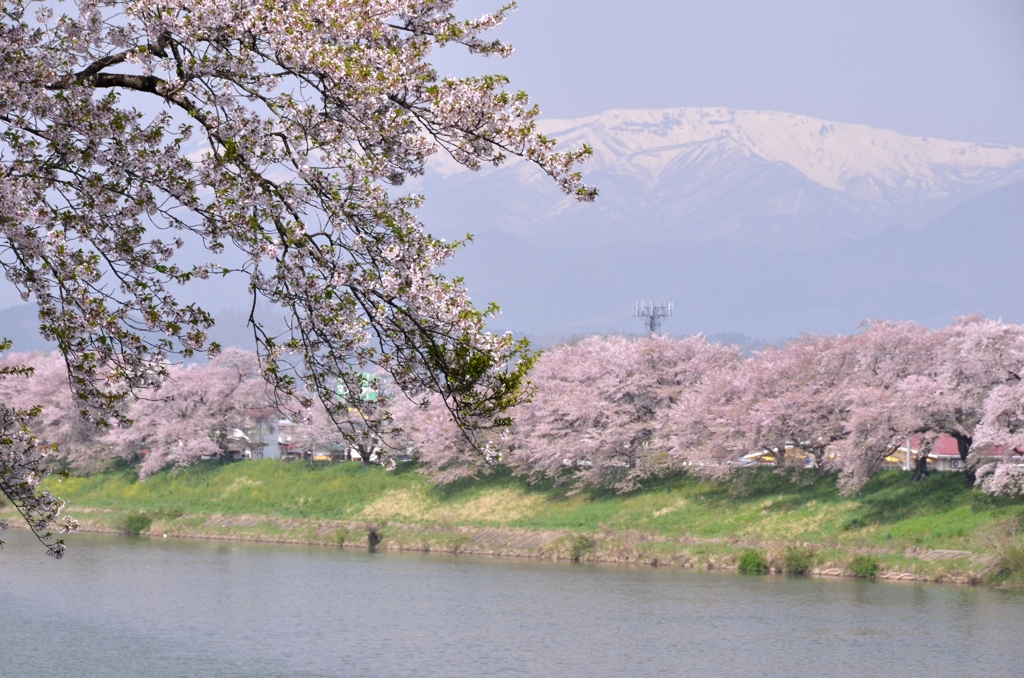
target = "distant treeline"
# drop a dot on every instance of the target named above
(613, 411)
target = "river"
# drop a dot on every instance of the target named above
(119, 606)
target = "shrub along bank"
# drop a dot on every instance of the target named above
(934, 529)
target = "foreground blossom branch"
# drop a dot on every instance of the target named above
(278, 131)
(23, 466)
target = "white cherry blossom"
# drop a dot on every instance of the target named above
(280, 131)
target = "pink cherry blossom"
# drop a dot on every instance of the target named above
(275, 132)
(24, 465)
(784, 397)
(195, 412)
(281, 133)
(596, 414)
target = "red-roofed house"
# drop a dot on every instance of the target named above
(945, 456)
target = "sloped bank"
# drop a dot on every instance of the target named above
(934, 530)
(631, 547)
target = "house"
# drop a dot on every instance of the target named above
(288, 444)
(944, 455)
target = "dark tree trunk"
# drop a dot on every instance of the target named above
(963, 446)
(365, 449)
(921, 466)
(819, 458)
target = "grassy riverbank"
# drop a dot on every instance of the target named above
(934, 529)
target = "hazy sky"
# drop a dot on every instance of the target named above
(942, 68)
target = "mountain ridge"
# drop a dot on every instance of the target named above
(822, 150)
(964, 262)
(694, 174)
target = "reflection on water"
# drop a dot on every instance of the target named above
(137, 607)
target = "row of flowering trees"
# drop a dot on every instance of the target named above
(614, 411)
(189, 417)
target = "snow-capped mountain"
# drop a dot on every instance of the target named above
(752, 221)
(774, 179)
(873, 165)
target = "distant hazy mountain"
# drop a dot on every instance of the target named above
(752, 221)
(695, 174)
(967, 261)
(20, 324)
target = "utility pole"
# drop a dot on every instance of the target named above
(652, 314)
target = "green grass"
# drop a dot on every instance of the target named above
(798, 559)
(864, 567)
(264, 487)
(581, 546)
(136, 523)
(752, 562)
(1009, 569)
(774, 512)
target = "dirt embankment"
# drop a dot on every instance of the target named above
(618, 547)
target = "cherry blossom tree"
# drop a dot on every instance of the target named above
(78, 443)
(23, 466)
(280, 132)
(850, 401)
(891, 375)
(789, 396)
(800, 396)
(701, 428)
(946, 382)
(1002, 425)
(979, 367)
(446, 452)
(195, 411)
(999, 359)
(908, 381)
(191, 415)
(597, 406)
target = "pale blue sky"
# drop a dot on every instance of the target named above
(942, 68)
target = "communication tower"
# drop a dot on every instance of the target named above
(652, 313)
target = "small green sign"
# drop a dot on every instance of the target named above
(369, 387)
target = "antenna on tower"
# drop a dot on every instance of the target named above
(653, 314)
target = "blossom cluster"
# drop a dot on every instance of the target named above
(614, 411)
(24, 466)
(280, 133)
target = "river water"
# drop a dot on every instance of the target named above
(118, 606)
